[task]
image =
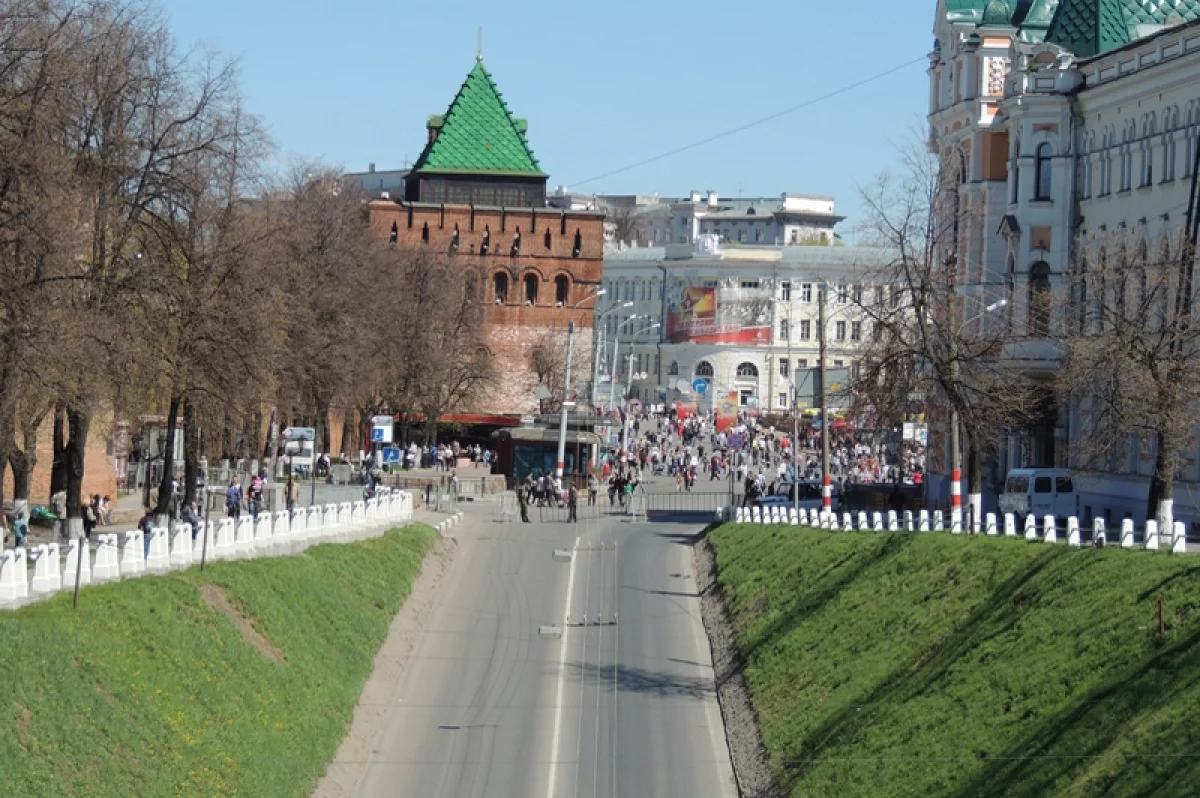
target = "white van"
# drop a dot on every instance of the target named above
(1040, 491)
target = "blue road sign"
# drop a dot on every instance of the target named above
(700, 385)
(391, 455)
(377, 435)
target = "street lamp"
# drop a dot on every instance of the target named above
(598, 347)
(612, 388)
(562, 425)
(956, 441)
(629, 382)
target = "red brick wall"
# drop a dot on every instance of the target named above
(99, 473)
(514, 327)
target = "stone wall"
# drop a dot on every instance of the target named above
(99, 475)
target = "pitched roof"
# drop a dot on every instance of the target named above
(1091, 27)
(478, 134)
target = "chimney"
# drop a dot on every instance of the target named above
(371, 168)
(712, 199)
(695, 195)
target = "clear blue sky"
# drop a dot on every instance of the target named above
(603, 84)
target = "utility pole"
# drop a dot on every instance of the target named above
(826, 479)
(562, 424)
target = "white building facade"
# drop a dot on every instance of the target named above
(743, 320)
(1067, 127)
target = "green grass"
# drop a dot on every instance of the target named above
(148, 691)
(937, 665)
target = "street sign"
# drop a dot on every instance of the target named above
(382, 421)
(299, 434)
(699, 385)
(391, 456)
(381, 434)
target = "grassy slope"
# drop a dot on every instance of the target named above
(146, 690)
(898, 665)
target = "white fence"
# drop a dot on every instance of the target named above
(1048, 530)
(181, 547)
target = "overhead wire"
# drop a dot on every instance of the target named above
(755, 123)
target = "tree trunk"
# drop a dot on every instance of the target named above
(1162, 484)
(322, 444)
(162, 511)
(975, 489)
(348, 433)
(191, 453)
(58, 469)
(272, 443)
(78, 423)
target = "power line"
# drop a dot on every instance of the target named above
(755, 123)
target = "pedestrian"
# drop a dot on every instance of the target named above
(593, 489)
(254, 497)
(293, 495)
(146, 526)
(233, 500)
(572, 503)
(190, 517)
(58, 506)
(91, 516)
(523, 502)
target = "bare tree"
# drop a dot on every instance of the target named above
(1132, 353)
(929, 344)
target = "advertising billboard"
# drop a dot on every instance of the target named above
(718, 314)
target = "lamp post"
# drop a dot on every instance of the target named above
(598, 350)
(629, 382)
(562, 425)
(612, 387)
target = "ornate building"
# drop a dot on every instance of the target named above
(1063, 120)
(478, 194)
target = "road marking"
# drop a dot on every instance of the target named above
(599, 678)
(587, 595)
(562, 677)
(616, 657)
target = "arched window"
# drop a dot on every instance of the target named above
(747, 371)
(1043, 173)
(500, 287)
(1039, 300)
(562, 288)
(531, 289)
(704, 369)
(673, 369)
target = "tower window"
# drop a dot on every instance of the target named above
(500, 287)
(562, 288)
(531, 289)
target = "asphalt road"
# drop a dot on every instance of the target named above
(625, 708)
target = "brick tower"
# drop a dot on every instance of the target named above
(478, 195)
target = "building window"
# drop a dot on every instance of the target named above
(856, 296)
(704, 369)
(805, 330)
(840, 333)
(562, 289)
(843, 294)
(656, 364)
(750, 284)
(783, 400)
(785, 292)
(837, 364)
(500, 287)
(806, 292)
(747, 371)
(1015, 170)
(856, 331)
(531, 289)
(1039, 300)
(673, 369)
(802, 363)
(785, 330)
(784, 367)
(1044, 172)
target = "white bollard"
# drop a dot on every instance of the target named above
(1049, 529)
(1073, 537)
(244, 543)
(1031, 532)
(826, 520)
(741, 515)
(956, 521)
(372, 511)
(22, 572)
(345, 517)
(847, 523)
(108, 559)
(939, 523)
(358, 513)
(1179, 539)
(181, 545)
(756, 514)
(893, 522)
(73, 564)
(158, 557)
(262, 532)
(923, 521)
(1127, 533)
(42, 582)
(793, 516)
(833, 523)
(312, 527)
(281, 531)
(132, 562)
(877, 521)
(226, 544)
(989, 524)
(1099, 536)
(199, 551)
(1010, 525)
(1151, 535)
(329, 520)
(908, 521)
(9, 575)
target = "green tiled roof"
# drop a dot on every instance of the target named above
(1091, 27)
(965, 10)
(479, 135)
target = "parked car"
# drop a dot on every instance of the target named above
(810, 496)
(1040, 492)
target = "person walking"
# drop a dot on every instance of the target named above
(293, 494)
(523, 502)
(572, 504)
(233, 500)
(58, 505)
(593, 489)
